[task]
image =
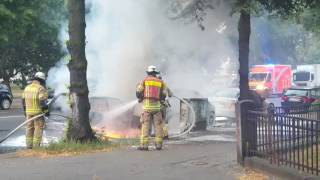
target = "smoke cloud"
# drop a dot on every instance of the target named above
(125, 36)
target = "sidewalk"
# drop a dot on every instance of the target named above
(196, 161)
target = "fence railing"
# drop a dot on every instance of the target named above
(305, 111)
(286, 138)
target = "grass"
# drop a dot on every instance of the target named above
(64, 148)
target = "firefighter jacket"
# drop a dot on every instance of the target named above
(153, 91)
(34, 95)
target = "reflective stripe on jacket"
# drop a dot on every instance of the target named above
(152, 89)
(33, 94)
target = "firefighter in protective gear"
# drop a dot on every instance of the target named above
(151, 91)
(35, 103)
(164, 106)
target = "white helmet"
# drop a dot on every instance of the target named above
(40, 75)
(153, 69)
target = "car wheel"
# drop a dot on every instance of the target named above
(5, 104)
(271, 105)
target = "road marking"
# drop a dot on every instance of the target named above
(7, 117)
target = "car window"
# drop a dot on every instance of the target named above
(259, 76)
(315, 93)
(296, 92)
(2, 86)
(301, 76)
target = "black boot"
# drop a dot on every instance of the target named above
(158, 147)
(166, 138)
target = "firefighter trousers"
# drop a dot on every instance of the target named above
(34, 131)
(164, 123)
(146, 121)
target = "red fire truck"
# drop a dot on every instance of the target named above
(270, 79)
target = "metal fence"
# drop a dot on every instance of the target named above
(286, 137)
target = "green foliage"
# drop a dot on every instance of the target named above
(283, 42)
(29, 36)
(310, 18)
(285, 8)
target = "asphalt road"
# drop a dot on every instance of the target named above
(183, 161)
(203, 155)
(9, 120)
(12, 118)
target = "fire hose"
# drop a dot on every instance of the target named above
(31, 119)
(187, 130)
(191, 126)
(193, 119)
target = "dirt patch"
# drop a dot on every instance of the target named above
(50, 154)
(249, 174)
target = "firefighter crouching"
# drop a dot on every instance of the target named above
(151, 91)
(35, 103)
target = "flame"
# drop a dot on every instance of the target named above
(106, 133)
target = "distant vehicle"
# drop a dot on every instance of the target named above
(299, 96)
(307, 76)
(224, 102)
(270, 79)
(5, 97)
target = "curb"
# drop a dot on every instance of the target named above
(280, 171)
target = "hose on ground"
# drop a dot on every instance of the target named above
(187, 131)
(18, 127)
(192, 119)
(33, 118)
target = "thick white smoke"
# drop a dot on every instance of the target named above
(125, 36)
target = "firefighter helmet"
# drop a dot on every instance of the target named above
(152, 69)
(40, 75)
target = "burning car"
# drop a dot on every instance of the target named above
(113, 118)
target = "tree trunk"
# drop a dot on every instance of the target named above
(244, 40)
(79, 129)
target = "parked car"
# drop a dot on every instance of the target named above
(5, 97)
(224, 102)
(299, 96)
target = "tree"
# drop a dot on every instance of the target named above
(79, 126)
(280, 41)
(29, 37)
(244, 29)
(283, 9)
